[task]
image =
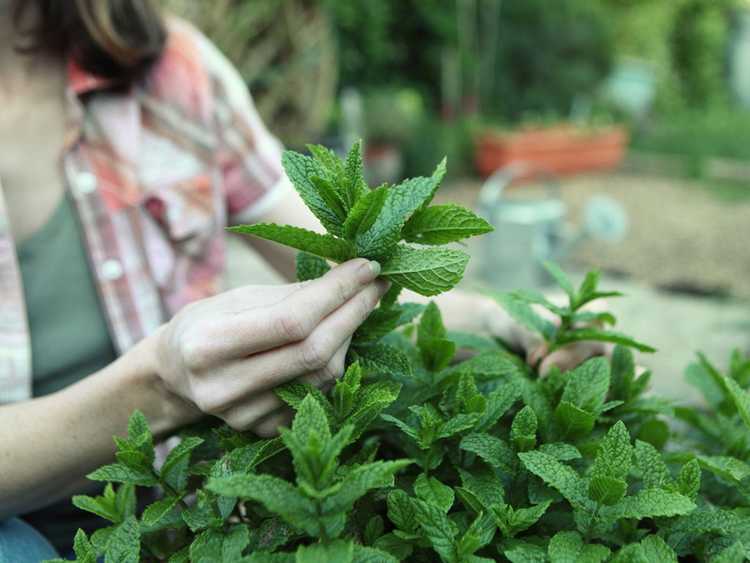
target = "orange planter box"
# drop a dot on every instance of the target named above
(561, 150)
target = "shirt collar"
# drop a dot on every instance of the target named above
(82, 82)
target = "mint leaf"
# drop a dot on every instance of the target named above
(568, 547)
(441, 224)
(379, 240)
(434, 492)
(119, 473)
(562, 280)
(174, 472)
(491, 449)
(325, 246)
(301, 169)
(650, 503)
(364, 213)
(310, 267)
(522, 312)
(593, 334)
(426, 271)
(523, 429)
(124, 545)
(277, 495)
(158, 510)
(560, 477)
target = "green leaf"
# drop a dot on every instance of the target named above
(277, 495)
(174, 472)
(588, 385)
(85, 552)
(650, 503)
(331, 198)
(560, 477)
(310, 267)
(364, 478)
(651, 466)
(310, 420)
(598, 335)
(656, 549)
(124, 544)
(434, 492)
(355, 187)
(491, 449)
(427, 271)
(103, 506)
(522, 312)
(562, 280)
(739, 397)
(158, 510)
(441, 224)
(401, 510)
(523, 552)
(381, 358)
(328, 160)
(728, 468)
(521, 519)
(119, 473)
(573, 420)
(363, 554)
(364, 213)
(615, 454)
(568, 547)
(623, 372)
(379, 240)
(735, 553)
(607, 490)
(689, 479)
(499, 402)
(560, 451)
(523, 429)
(342, 551)
(325, 246)
(438, 529)
(301, 169)
(377, 324)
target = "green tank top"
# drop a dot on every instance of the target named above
(69, 337)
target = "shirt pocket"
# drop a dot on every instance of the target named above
(185, 217)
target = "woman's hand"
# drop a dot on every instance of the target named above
(536, 350)
(224, 355)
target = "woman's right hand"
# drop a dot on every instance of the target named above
(224, 355)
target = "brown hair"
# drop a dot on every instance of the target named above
(116, 39)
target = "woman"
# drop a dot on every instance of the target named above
(128, 144)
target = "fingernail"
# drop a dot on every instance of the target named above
(369, 271)
(383, 286)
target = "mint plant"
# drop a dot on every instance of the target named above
(421, 454)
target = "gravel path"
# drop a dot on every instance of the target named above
(679, 235)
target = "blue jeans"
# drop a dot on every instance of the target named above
(20, 543)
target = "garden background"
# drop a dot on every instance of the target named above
(419, 79)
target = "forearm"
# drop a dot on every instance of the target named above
(48, 444)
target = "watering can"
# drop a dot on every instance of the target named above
(530, 230)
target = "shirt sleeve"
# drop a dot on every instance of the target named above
(249, 155)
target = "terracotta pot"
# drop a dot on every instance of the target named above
(383, 163)
(561, 149)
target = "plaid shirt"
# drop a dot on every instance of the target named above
(156, 174)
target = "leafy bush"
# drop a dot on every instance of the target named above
(419, 455)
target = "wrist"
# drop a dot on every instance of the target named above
(166, 410)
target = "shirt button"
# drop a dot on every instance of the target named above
(86, 182)
(111, 270)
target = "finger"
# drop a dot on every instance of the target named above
(269, 426)
(569, 357)
(294, 317)
(240, 414)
